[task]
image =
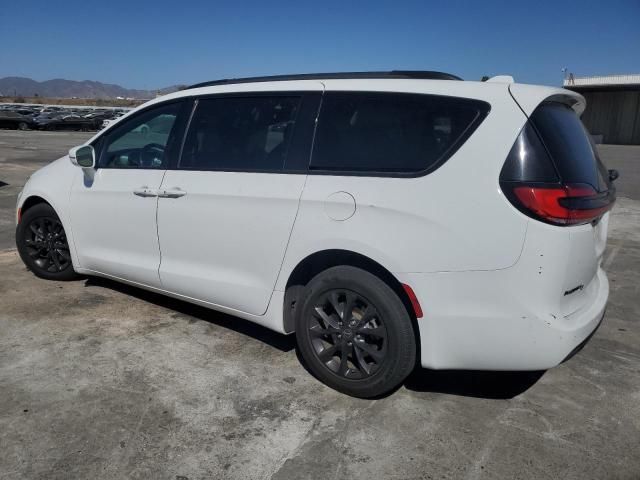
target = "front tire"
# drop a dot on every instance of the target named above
(354, 333)
(42, 244)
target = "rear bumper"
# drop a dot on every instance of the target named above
(577, 349)
(477, 321)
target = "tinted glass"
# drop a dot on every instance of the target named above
(142, 141)
(569, 144)
(388, 132)
(240, 133)
(528, 160)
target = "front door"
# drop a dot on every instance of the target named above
(113, 208)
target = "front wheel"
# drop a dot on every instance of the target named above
(354, 333)
(42, 244)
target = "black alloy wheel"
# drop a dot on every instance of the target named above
(47, 245)
(42, 244)
(348, 334)
(354, 333)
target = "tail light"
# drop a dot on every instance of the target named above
(553, 173)
(574, 204)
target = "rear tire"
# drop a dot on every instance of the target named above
(23, 126)
(42, 244)
(354, 333)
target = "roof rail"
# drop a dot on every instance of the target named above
(414, 74)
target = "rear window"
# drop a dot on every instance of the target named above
(569, 145)
(390, 132)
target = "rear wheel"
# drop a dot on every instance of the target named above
(42, 244)
(23, 126)
(354, 333)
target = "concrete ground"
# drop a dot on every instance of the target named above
(102, 381)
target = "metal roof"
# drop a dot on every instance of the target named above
(602, 80)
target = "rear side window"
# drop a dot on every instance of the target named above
(240, 133)
(569, 145)
(387, 133)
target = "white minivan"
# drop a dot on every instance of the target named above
(389, 219)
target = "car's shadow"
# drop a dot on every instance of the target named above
(472, 383)
(284, 343)
(478, 384)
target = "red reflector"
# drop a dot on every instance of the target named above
(417, 309)
(19, 215)
(544, 202)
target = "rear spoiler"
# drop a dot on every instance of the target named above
(528, 97)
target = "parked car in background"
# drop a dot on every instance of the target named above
(28, 112)
(65, 122)
(54, 117)
(39, 117)
(107, 122)
(389, 219)
(100, 116)
(51, 109)
(14, 120)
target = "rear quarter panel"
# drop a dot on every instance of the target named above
(453, 219)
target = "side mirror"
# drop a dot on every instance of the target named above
(83, 156)
(613, 174)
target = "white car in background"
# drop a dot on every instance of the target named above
(107, 122)
(389, 219)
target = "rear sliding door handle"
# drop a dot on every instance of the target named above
(171, 193)
(145, 192)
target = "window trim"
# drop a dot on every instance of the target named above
(99, 143)
(303, 141)
(298, 154)
(484, 108)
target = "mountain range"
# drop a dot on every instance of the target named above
(60, 88)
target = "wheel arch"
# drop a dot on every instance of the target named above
(320, 261)
(38, 197)
(32, 201)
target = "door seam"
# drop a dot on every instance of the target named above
(304, 185)
(158, 230)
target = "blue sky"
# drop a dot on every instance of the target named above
(140, 44)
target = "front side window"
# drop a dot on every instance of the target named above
(142, 141)
(391, 132)
(240, 133)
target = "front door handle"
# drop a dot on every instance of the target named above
(175, 192)
(145, 192)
